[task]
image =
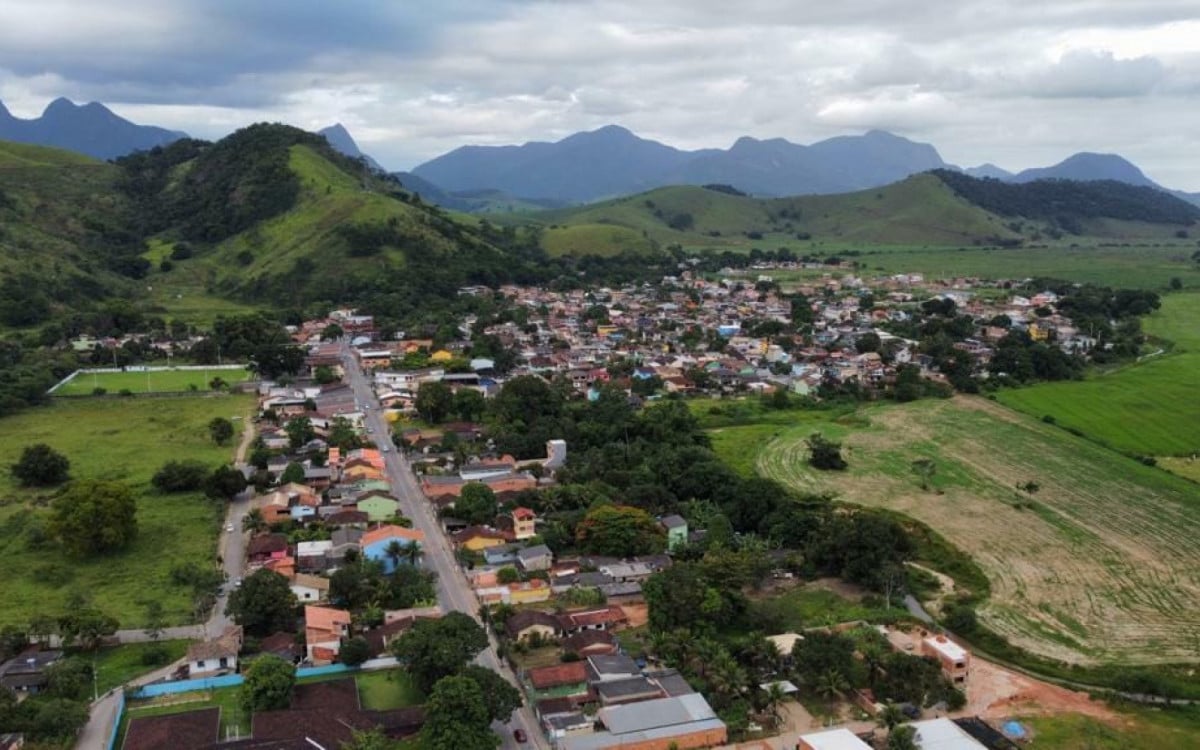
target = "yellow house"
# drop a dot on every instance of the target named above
(528, 592)
(477, 539)
(441, 355)
(1038, 333)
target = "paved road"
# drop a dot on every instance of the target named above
(453, 591)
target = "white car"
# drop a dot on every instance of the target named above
(229, 528)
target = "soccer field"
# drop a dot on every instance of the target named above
(150, 381)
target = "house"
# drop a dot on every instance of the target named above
(677, 531)
(324, 629)
(523, 523)
(558, 680)
(280, 644)
(478, 538)
(833, 739)
(629, 690)
(381, 543)
(943, 734)
(953, 658)
(567, 724)
(538, 557)
(309, 588)
(608, 667)
(590, 643)
(314, 556)
(264, 547)
(503, 554)
(344, 539)
(217, 656)
(379, 507)
(527, 623)
(26, 672)
(683, 722)
(591, 619)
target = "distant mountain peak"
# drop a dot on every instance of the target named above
(341, 140)
(92, 129)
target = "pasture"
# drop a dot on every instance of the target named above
(122, 440)
(1148, 408)
(1100, 564)
(150, 381)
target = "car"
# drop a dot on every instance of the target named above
(237, 582)
(229, 528)
(519, 735)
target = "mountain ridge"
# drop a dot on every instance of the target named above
(92, 129)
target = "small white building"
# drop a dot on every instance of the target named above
(834, 739)
(214, 657)
(310, 589)
(943, 734)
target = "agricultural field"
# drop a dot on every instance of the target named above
(113, 439)
(1149, 408)
(150, 381)
(1132, 729)
(1077, 567)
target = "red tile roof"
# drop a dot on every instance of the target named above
(571, 673)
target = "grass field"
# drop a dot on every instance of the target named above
(113, 439)
(1134, 729)
(385, 690)
(1150, 408)
(118, 665)
(157, 381)
(812, 606)
(1101, 564)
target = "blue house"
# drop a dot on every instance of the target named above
(376, 543)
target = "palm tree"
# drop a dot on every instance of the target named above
(394, 552)
(774, 696)
(831, 683)
(413, 552)
(902, 738)
(890, 716)
(254, 521)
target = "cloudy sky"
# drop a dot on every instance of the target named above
(1016, 82)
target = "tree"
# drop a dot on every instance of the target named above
(220, 430)
(354, 651)
(332, 332)
(830, 684)
(469, 404)
(293, 472)
(324, 375)
(253, 521)
(457, 718)
(498, 693)
(180, 476)
(890, 716)
(369, 739)
(299, 431)
(433, 649)
(476, 504)
(263, 604)
(156, 620)
(41, 466)
(902, 738)
(924, 468)
(86, 627)
(268, 684)
(224, 483)
(434, 401)
(94, 518)
(824, 454)
(619, 531)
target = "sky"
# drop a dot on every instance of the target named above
(1018, 83)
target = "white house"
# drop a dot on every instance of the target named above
(310, 589)
(216, 656)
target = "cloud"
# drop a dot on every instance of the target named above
(1095, 74)
(413, 80)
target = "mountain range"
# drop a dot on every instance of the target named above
(599, 164)
(613, 161)
(90, 129)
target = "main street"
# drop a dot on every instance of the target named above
(453, 591)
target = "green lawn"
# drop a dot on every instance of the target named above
(1150, 408)
(118, 665)
(1134, 729)
(113, 439)
(811, 607)
(385, 690)
(159, 381)
(1077, 570)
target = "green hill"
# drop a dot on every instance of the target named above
(934, 209)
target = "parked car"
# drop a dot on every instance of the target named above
(519, 735)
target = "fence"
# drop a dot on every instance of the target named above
(112, 735)
(230, 680)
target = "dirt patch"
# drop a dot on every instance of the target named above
(638, 614)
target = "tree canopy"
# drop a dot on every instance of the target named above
(220, 430)
(433, 649)
(263, 604)
(94, 518)
(476, 504)
(41, 466)
(619, 531)
(268, 684)
(457, 717)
